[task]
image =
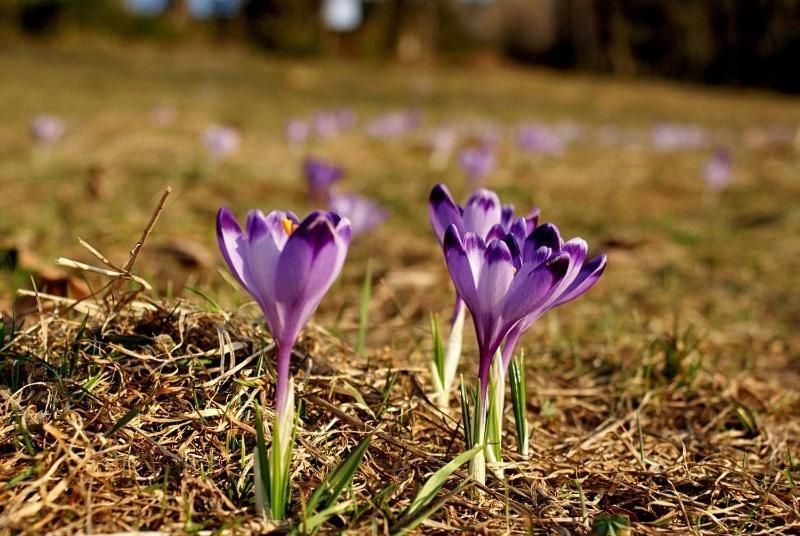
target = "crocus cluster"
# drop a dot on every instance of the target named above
(483, 216)
(508, 271)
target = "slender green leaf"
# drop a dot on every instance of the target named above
(214, 305)
(432, 486)
(338, 479)
(128, 417)
(261, 466)
(406, 525)
(611, 525)
(466, 415)
(314, 522)
(438, 350)
(363, 310)
(519, 397)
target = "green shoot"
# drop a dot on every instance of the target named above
(519, 398)
(363, 311)
(414, 514)
(322, 504)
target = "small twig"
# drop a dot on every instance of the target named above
(69, 263)
(147, 230)
(102, 258)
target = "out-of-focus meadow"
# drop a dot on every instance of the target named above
(726, 262)
(703, 274)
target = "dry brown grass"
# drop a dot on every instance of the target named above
(668, 394)
(706, 453)
(124, 414)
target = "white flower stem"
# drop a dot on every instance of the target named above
(494, 428)
(477, 465)
(451, 360)
(280, 456)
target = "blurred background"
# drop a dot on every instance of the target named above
(736, 42)
(665, 132)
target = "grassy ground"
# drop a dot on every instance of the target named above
(667, 394)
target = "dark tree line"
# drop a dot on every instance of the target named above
(738, 42)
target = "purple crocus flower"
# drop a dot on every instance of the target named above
(47, 128)
(717, 170)
(541, 139)
(287, 266)
(364, 214)
(320, 175)
(297, 131)
(221, 141)
(499, 289)
(486, 218)
(545, 242)
(676, 136)
(394, 124)
(477, 161)
(326, 124)
(480, 215)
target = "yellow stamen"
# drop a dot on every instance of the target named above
(289, 226)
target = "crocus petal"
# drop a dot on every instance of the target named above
(495, 277)
(546, 235)
(519, 231)
(532, 219)
(266, 236)
(233, 246)
(443, 211)
(310, 262)
(507, 217)
(532, 286)
(460, 264)
(481, 212)
(586, 278)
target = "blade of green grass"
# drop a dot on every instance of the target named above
(128, 417)
(432, 486)
(363, 310)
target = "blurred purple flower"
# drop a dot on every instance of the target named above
(320, 176)
(287, 266)
(394, 124)
(540, 245)
(717, 170)
(163, 116)
(47, 129)
(221, 141)
(297, 131)
(477, 162)
(364, 214)
(326, 124)
(541, 139)
(676, 136)
(443, 140)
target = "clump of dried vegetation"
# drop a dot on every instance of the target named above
(122, 413)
